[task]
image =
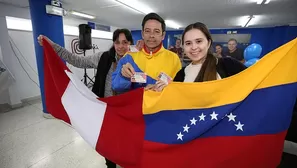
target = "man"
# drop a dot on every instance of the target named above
(177, 48)
(151, 60)
(234, 51)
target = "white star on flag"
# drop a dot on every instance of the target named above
(202, 117)
(186, 128)
(239, 126)
(193, 121)
(231, 117)
(214, 116)
(180, 136)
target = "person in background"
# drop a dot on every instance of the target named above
(177, 48)
(105, 62)
(197, 41)
(219, 51)
(234, 52)
(151, 60)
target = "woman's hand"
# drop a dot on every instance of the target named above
(42, 37)
(139, 45)
(158, 87)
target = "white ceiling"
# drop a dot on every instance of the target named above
(214, 13)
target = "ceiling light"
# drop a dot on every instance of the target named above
(82, 15)
(259, 2)
(14, 23)
(135, 5)
(172, 24)
(247, 22)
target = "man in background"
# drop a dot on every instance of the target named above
(177, 48)
(234, 52)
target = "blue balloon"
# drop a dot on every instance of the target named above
(251, 62)
(252, 51)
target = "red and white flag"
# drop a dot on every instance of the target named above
(112, 131)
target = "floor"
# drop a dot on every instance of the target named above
(28, 140)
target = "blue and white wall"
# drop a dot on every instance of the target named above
(269, 38)
(22, 63)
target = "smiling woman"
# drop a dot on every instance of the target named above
(205, 66)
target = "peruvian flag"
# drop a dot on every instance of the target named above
(111, 130)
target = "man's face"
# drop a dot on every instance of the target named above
(232, 45)
(152, 34)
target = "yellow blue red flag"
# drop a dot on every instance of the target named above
(240, 121)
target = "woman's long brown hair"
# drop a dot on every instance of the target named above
(208, 71)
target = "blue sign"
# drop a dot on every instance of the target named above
(99, 27)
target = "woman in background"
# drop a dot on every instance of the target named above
(219, 51)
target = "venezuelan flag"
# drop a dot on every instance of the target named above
(240, 121)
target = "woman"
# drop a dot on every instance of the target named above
(105, 62)
(219, 51)
(197, 42)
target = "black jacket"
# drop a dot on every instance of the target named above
(292, 131)
(226, 67)
(103, 67)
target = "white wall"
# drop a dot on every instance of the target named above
(10, 96)
(25, 88)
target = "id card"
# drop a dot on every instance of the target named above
(133, 48)
(165, 78)
(139, 77)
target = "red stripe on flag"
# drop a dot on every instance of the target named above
(262, 151)
(55, 82)
(122, 132)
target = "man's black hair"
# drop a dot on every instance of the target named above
(154, 16)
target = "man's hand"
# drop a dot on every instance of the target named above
(127, 70)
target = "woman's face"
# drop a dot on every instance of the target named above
(121, 45)
(196, 45)
(218, 49)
